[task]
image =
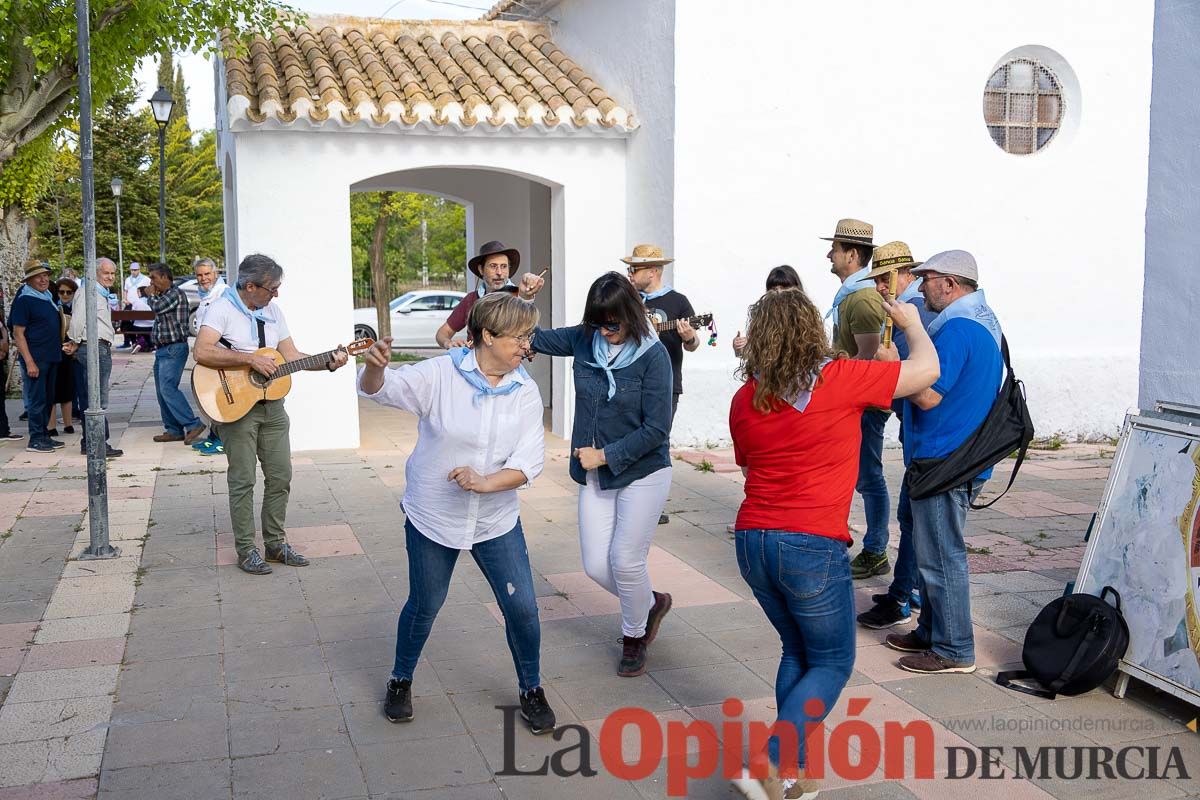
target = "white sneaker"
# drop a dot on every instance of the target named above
(137, 348)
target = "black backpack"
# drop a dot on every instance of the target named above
(1007, 428)
(1073, 646)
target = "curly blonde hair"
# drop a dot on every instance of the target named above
(785, 348)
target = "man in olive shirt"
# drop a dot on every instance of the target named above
(858, 317)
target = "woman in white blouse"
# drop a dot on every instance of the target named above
(479, 438)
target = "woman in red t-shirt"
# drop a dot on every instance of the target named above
(795, 426)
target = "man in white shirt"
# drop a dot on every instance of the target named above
(246, 320)
(211, 287)
(106, 276)
(131, 297)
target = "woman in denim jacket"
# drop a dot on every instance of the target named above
(619, 450)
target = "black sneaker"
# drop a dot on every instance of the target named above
(253, 563)
(866, 564)
(39, 447)
(68, 429)
(112, 452)
(284, 554)
(914, 602)
(885, 614)
(537, 711)
(55, 443)
(12, 436)
(52, 432)
(662, 604)
(397, 707)
(24, 416)
(663, 519)
(633, 657)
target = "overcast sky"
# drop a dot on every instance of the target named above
(198, 71)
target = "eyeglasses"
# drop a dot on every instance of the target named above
(525, 340)
(611, 327)
(65, 292)
(272, 290)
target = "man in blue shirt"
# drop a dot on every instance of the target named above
(893, 607)
(936, 421)
(37, 328)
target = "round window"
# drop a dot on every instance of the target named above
(1022, 106)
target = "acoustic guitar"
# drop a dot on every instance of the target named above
(228, 393)
(698, 321)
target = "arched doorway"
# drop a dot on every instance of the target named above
(498, 205)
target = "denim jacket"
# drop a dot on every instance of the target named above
(634, 427)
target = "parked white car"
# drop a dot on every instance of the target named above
(416, 317)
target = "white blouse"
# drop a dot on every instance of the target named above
(457, 429)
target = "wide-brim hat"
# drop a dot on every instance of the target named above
(35, 267)
(853, 231)
(495, 249)
(647, 255)
(891, 257)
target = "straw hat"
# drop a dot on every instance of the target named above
(492, 249)
(890, 257)
(647, 255)
(853, 231)
(35, 267)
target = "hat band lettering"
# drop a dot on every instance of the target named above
(888, 262)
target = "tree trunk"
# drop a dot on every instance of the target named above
(379, 281)
(15, 232)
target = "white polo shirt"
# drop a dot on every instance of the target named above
(457, 429)
(242, 332)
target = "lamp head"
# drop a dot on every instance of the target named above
(161, 104)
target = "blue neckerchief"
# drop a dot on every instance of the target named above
(100, 290)
(849, 286)
(628, 355)
(203, 294)
(474, 376)
(481, 287)
(236, 300)
(29, 290)
(972, 306)
(911, 292)
(907, 296)
(653, 295)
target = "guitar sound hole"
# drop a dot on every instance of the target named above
(258, 380)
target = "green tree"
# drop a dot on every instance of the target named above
(445, 235)
(38, 81)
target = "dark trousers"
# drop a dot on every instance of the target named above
(4, 429)
(41, 395)
(81, 379)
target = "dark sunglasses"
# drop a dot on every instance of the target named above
(611, 327)
(66, 291)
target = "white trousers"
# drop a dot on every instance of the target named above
(615, 530)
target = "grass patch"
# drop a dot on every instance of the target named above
(1053, 442)
(979, 551)
(126, 475)
(705, 466)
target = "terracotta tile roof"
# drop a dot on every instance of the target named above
(441, 75)
(519, 9)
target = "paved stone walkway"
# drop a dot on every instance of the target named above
(169, 674)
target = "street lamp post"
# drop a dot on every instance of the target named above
(116, 184)
(161, 103)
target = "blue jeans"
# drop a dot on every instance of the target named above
(938, 525)
(504, 561)
(905, 578)
(39, 397)
(177, 416)
(81, 384)
(871, 484)
(802, 581)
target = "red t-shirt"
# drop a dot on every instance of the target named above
(804, 464)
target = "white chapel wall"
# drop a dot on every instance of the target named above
(790, 115)
(292, 202)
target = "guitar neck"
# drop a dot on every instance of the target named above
(669, 325)
(300, 364)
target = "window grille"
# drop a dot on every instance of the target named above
(1022, 106)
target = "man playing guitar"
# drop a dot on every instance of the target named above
(645, 269)
(243, 321)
